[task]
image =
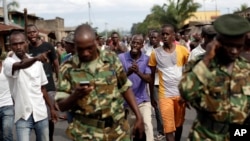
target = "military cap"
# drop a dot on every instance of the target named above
(208, 30)
(231, 25)
(69, 38)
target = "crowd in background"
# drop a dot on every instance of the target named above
(125, 77)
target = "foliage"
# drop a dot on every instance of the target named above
(242, 7)
(173, 12)
(12, 6)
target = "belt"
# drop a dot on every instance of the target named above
(95, 122)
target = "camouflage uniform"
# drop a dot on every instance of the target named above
(105, 101)
(219, 98)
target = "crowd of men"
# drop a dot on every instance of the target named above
(108, 89)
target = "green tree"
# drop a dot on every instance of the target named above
(13, 5)
(242, 7)
(173, 12)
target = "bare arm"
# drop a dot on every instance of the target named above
(151, 86)
(144, 77)
(27, 62)
(130, 99)
(50, 105)
(56, 65)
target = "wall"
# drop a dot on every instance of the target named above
(52, 25)
(245, 14)
(203, 16)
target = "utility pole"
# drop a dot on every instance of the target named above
(216, 7)
(90, 23)
(204, 10)
(106, 31)
(25, 21)
(5, 11)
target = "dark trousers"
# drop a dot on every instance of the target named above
(157, 112)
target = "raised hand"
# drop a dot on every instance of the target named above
(211, 51)
(43, 56)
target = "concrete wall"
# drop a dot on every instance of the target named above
(204, 16)
(1, 11)
(245, 14)
(52, 25)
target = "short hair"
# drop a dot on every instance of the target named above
(32, 25)
(138, 35)
(17, 32)
(58, 43)
(170, 26)
(84, 28)
(114, 32)
(153, 31)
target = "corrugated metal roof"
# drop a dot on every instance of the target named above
(6, 28)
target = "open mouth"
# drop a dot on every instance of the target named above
(19, 52)
(33, 39)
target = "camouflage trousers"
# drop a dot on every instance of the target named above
(201, 132)
(78, 131)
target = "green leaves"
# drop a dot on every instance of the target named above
(173, 12)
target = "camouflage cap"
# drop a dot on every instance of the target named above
(208, 30)
(231, 25)
(69, 38)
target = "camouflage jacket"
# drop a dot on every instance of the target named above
(109, 81)
(217, 96)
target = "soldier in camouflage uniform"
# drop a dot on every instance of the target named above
(218, 84)
(98, 107)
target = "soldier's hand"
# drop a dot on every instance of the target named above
(210, 51)
(138, 128)
(182, 101)
(43, 56)
(81, 91)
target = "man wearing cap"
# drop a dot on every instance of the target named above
(217, 85)
(207, 34)
(69, 47)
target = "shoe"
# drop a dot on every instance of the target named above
(159, 137)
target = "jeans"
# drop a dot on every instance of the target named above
(24, 127)
(6, 123)
(51, 95)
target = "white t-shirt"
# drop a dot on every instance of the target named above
(148, 49)
(25, 87)
(196, 52)
(5, 96)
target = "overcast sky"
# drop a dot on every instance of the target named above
(118, 14)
